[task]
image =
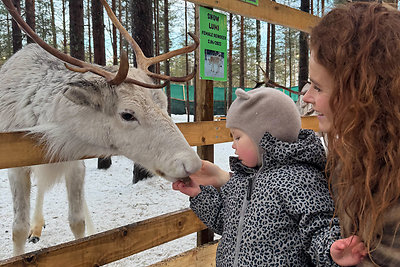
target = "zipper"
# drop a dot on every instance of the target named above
(249, 189)
(241, 220)
(242, 213)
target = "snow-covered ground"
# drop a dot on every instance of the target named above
(113, 201)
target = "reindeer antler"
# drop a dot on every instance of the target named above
(80, 66)
(144, 62)
(268, 82)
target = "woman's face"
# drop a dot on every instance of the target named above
(319, 93)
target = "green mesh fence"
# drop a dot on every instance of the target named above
(178, 98)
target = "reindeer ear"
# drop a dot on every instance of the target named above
(160, 98)
(99, 97)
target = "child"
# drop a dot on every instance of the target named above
(275, 209)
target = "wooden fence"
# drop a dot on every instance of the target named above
(17, 149)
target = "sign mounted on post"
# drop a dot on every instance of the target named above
(254, 2)
(213, 45)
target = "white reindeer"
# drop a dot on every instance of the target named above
(216, 63)
(89, 111)
(304, 108)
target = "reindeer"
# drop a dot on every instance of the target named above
(216, 63)
(305, 109)
(267, 82)
(77, 109)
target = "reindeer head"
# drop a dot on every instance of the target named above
(101, 111)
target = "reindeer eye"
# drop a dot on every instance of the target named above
(127, 116)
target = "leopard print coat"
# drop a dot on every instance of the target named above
(278, 215)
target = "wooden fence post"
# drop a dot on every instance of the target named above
(204, 112)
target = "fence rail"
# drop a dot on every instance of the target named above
(19, 149)
(112, 245)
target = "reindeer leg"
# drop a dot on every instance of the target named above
(37, 223)
(20, 184)
(74, 180)
(90, 230)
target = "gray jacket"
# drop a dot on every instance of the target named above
(278, 215)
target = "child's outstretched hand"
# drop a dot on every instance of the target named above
(189, 188)
(348, 251)
(210, 174)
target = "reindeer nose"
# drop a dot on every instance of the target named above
(191, 165)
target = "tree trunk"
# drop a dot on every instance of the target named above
(166, 49)
(142, 26)
(272, 63)
(53, 24)
(99, 55)
(187, 102)
(77, 48)
(114, 36)
(303, 50)
(142, 31)
(258, 50)
(285, 68)
(290, 60)
(267, 53)
(64, 28)
(30, 17)
(9, 35)
(98, 33)
(242, 53)
(120, 19)
(230, 78)
(126, 22)
(89, 17)
(16, 31)
(311, 7)
(156, 34)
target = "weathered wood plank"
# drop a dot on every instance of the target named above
(17, 149)
(266, 11)
(310, 122)
(114, 244)
(202, 256)
(205, 132)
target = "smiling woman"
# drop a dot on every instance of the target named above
(354, 70)
(319, 93)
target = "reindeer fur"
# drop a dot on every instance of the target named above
(76, 115)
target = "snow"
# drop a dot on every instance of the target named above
(113, 202)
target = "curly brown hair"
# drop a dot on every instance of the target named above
(359, 44)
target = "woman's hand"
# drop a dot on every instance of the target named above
(348, 251)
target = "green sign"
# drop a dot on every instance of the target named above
(213, 51)
(254, 2)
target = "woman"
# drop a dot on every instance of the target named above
(355, 89)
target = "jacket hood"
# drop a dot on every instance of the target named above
(307, 149)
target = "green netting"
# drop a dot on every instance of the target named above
(178, 95)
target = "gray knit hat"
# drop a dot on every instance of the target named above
(264, 110)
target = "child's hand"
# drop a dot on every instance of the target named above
(210, 174)
(348, 251)
(189, 188)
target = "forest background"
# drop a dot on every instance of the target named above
(81, 28)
